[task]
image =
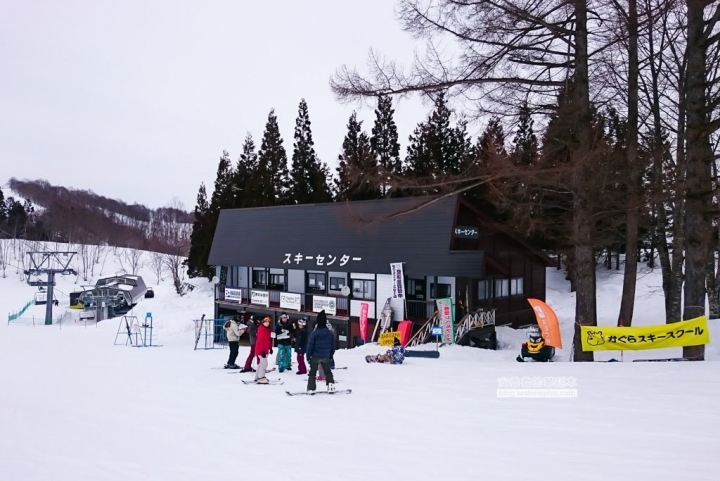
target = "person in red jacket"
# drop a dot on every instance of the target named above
(263, 348)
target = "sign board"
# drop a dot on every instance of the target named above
(693, 332)
(148, 314)
(437, 331)
(398, 280)
(233, 295)
(446, 314)
(290, 301)
(329, 304)
(364, 307)
(388, 338)
(466, 232)
(260, 298)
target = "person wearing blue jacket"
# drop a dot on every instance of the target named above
(320, 348)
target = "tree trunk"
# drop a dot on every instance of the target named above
(699, 158)
(627, 302)
(712, 292)
(585, 300)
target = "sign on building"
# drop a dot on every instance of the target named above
(466, 232)
(290, 301)
(398, 280)
(260, 298)
(329, 304)
(233, 295)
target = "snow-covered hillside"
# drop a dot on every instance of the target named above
(74, 406)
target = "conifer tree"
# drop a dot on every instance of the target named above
(525, 143)
(357, 166)
(308, 177)
(384, 141)
(3, 209)
(200, 239)
(270, 180)
(242, 176)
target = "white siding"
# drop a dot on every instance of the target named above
(242, 280)
(383, 292)
(355, 308)
(358, 275)
(296, 281)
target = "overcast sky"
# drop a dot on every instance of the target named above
(137, 99)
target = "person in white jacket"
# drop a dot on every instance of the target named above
(233, 329)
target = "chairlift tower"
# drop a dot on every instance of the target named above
(49, 263)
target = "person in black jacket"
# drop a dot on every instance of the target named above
(321, 347)
(301, 342)
(284, 334)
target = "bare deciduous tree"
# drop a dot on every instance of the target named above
(157, 265)
(131, 260)
(5, 252)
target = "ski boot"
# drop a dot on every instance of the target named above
(331, 387)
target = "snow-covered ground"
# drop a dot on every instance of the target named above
(75, 407)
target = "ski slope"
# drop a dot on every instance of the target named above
(74, 406)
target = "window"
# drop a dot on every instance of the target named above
(440, 291)
(277, 282)
(362, 289)
(337, 283)
(316, 283)
(485, 290)
(502, 287)
(516, 286)
(260, 278)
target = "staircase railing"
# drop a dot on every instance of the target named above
(472, 320)
(422, 335)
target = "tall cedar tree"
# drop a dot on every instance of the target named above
(3, 209)
(490, 145)
(436, 148)
(269, 184)
(242, 175)
(357, 166)
(525, 154)
(308, 177)
(384, 143)
(200, 239)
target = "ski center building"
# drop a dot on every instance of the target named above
(301, 259)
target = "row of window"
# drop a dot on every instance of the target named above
(318, 283)
(500, 288)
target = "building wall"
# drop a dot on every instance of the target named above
(355, 307)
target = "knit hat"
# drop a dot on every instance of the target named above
(321, 321)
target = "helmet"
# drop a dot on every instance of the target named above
(302, 321)
(534, 334)
(284, 316)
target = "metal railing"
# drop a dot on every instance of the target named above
(422, 335)
(473, 320)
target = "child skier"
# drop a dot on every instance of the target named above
(301, 340)
(283, 335)
(263, 348)
(396, 355)
(535, 348)
(252, 333)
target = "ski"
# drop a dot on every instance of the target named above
(249, 372)
(227, 368)
(669, 359)
(323, 380)
(305, 393)
(270, 383)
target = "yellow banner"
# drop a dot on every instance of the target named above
(693, 332)
(388, 338)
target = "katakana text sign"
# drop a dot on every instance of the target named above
(319, 259)
(693, 332)
(466, 232)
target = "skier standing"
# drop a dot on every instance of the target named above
(321, 347)
(301, 341)
(252, 333)
(233, 332)
(283, 335)
(263, 348)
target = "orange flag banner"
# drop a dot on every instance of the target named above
(548, 323)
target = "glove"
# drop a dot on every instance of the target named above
(271, 351)
(263, 355)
